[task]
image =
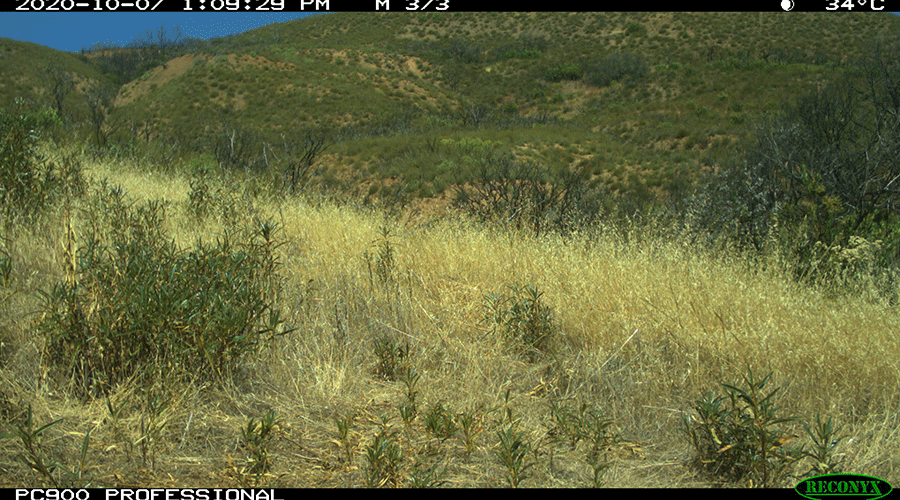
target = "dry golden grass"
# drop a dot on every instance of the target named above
(645, 326)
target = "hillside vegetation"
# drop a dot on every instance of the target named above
(525, 250)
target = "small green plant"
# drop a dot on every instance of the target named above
(384, 457)
(588, 424)
(152, 424)
(439, 422)
(470, 425)
(115, 414)
(567, 425)
(523, 319)
(410, 379)
(345, 437)
(381, 263)
(408, 408)
(37, 459)
(826, 437)
(6, 266)
(599, 438)
(736, 436)
(393, 358)
(255, 439)
(427, 475)
(408, 412)
(513, 453)
(200, 199)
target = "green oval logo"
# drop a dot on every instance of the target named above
(831, 486)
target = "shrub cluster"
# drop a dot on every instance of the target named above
(523, 319)
(524, 47)
(740, 437)
(28, 180)
(564, 72)
(134, 303)
(527, 196)
(616, 66)
(821, 183)
(463, 51)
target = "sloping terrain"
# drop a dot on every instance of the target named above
(643, 98)
(231, 271)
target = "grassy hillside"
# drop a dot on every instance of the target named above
(28, 73)
(684, 98)
(401, 364)
(526, 250)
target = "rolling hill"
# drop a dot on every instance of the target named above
(643, 99)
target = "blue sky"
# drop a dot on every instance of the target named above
(70, 31)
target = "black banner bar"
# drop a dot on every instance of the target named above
(440, 6)
(152, 494)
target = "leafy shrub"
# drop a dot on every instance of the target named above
(523, 319)
(137, 305)
(513, 452)
(563, 72)
(440, 422)
(256, 438)
(503, 190)
(28, 180)
(635, 28)
(463, 51)
(524, 47)
(737, 436)
(393, 358)
(617, 66)
(587, 423)
(818, 182)
(384, 458)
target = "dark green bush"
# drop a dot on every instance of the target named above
(564, 72)
(464, 51)
(739, 437)
(820, 183)
(635, 28)
(617, 66)
(28, 179)
(136, 305)
(524, 47)
(524, 320)
(502, 190)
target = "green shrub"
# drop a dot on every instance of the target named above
(256, 438)
(617, 66)
(513, 452)
(29, 180)
(523, 319)
(440, 422)
(584, 422)
(634, 28)
(135, 305)
(737, 436)
(384, 457)
(564, 72)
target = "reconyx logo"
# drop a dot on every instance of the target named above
(843, 485)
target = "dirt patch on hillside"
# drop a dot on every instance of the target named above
(413, 67)
(155, 78)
